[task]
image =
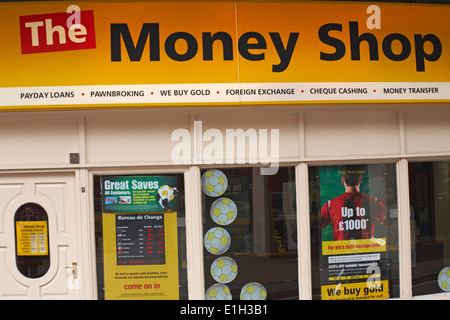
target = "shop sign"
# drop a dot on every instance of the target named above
(152, 53)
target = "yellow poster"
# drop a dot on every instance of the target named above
(356, 291)
(32, 238)
(140, 256)
(353, 246)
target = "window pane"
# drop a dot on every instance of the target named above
(32, 240)
(430, 226)
(354, 245)
(139, 251)
(250, 234)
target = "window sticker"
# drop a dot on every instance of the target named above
(140, 237)
(353, 223)
(32, 238)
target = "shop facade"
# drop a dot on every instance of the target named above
(272, 151)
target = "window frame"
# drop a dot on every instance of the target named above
(431, 296)
(194, 223)
(404, 231)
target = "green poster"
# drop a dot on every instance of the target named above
(139, 193)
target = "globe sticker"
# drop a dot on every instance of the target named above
(444, 279)
(214, 183)
(224, 269)
(217, 240)
(253, 291)
(223, 211)
(218, 291)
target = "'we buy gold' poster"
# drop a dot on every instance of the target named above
(354, 222)
(140, 238)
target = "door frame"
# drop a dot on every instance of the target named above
(8, 243)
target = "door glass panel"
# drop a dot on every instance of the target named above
(354, 238)
(32, 240)
(250, 234)
(429, 188)
(140, 237)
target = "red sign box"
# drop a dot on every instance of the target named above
(57, 32)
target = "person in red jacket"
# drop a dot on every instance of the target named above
(353, 214)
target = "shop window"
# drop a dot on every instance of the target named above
(140, 237)
(250, 234)
(429, 187)
(354, 238)
(32, 240)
